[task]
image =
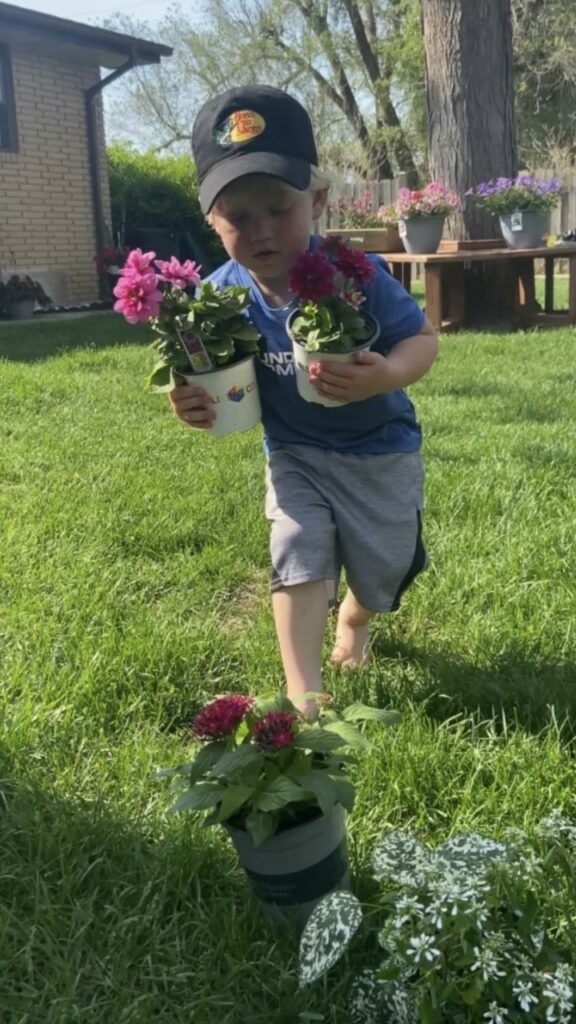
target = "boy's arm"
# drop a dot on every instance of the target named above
(374, 374)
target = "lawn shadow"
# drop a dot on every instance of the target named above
(511, 689)
(105, 921)
(45, 338)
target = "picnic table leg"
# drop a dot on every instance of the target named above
(397, 271)
(456, 295)
(549, 284)
(527, 286)
(433, 294)
(572, 289)
(407, 276)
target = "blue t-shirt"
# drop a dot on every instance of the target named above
(384, 423)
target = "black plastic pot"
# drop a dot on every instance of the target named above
(290, 872)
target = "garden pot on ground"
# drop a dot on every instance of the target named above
(524, 229)
(235, 393)
(290, 872)
(421, 234)
(22, 309)
(380, 240)
(303, 359)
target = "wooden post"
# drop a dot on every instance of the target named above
(433, 294)
(549, 284)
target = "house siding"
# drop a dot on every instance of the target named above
(46, 210)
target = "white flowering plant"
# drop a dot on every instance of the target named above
(463, 931)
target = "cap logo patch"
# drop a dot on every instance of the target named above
(241, 126)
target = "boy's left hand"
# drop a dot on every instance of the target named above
(370, 374)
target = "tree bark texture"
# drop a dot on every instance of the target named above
(470, 99)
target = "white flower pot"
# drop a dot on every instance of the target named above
(235, 394)
(303, 359)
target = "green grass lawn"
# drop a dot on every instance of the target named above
(133, 585)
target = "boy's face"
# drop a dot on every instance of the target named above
(263, 224)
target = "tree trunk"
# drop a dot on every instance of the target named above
(470, 98)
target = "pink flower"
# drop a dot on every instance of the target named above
(275, 730)
(138, 296)
(220, 717)
(177, 274)
(311, 277)
(138, 260)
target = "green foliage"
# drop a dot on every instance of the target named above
(213, 314)
(274, 771)
(339, 328)
(151, 191)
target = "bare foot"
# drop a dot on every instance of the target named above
(351, 647)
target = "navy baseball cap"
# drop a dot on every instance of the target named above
(254, 130)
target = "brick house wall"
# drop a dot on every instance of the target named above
(46, 210)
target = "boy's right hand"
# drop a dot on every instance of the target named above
(192, 405)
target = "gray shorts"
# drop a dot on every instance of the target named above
(329, 509)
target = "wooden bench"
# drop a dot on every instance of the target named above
(444, 290)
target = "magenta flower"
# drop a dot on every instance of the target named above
(275, 730)
(138, 260)
(220, 717)
(177, 274)
(351, 263)
(138, 296)
(312, 277)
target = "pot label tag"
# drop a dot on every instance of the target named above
(516, 221)
(195, 350)
(402, 228)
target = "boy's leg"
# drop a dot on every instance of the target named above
(351, 645)
(300, 615)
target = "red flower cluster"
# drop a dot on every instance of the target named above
(333, 268)
(312, 277)
(351, 263)
(220, 717)
(275, 730)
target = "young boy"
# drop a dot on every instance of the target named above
(344, 484)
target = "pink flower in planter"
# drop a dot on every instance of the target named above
(275, 730)
(220, 717)
(138, 260)
(138, 296)
(177, 274)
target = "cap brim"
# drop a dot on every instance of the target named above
(289, 169)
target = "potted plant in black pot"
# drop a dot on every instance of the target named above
(20, 294)
(278, 783)
(200, 329)
(329, 323)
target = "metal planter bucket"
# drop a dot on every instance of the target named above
(302, 360)
(294, 869)
(421, 234)
(524, 229)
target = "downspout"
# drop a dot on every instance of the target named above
(93, 150)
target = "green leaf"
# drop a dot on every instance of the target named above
(200, 797)
(323, 787)
(159, 379)
(349, 734)
(328, 933)
(346, 793)
(278, 793)
(427, 1012)
(233, 799)
(206, 757)
(168, 773)
(363, 713)
(235, 761)
(261, 826)
(318, 740)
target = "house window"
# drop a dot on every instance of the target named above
(8, 139)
